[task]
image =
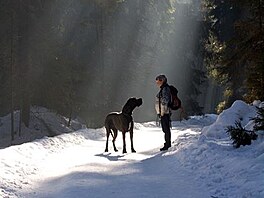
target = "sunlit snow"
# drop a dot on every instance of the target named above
(201, 162)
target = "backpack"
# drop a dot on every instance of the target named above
(175, 103)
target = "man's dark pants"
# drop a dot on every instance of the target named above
(165, 124)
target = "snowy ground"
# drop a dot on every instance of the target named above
(201, 163)
(43, 122)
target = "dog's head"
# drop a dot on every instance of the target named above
(131, 104)
(135, 102)
(139, 102)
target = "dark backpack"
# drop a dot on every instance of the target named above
(175, 103)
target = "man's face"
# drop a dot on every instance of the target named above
(159, 82)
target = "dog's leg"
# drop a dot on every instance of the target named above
(107, 137)
(114, 138)
(124, 141)
(131, 137)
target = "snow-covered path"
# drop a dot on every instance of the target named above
(74, 165)
(122, 176)
(201, 163)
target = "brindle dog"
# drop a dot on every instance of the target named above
(122, 122)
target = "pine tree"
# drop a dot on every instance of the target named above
(236, 60)
(250, 41)
(222, 64)
(240, 135)
(259, 119)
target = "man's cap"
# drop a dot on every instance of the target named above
(161, 77)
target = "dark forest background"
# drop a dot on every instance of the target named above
(87, 57)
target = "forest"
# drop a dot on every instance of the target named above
(85, 58)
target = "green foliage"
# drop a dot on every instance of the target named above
(240, 135)
(224, 104)
(259, 119)
(250, 47)
(220, 107)
(235, 47)
(214, 56)
(255, 81)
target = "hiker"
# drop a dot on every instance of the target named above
(163, 110)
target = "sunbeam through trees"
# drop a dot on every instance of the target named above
(85, 58)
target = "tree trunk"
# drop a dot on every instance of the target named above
(100, 40)
(26, 109)
(70, 118)
(20, 123)
(23, 61)
(12, 75)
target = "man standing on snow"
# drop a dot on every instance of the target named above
(163, 99)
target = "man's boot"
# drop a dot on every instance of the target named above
(166, 146)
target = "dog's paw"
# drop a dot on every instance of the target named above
(124, 151)
(106, 150)
(116, 150)
(133, 151)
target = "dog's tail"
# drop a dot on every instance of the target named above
(108, 130)
(111, 134)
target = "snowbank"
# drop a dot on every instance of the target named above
(239, 111)
(43, 122)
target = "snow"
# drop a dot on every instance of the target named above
(201, 162)
(43, 123)
(239, 111)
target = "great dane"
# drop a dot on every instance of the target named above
(123, 122)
